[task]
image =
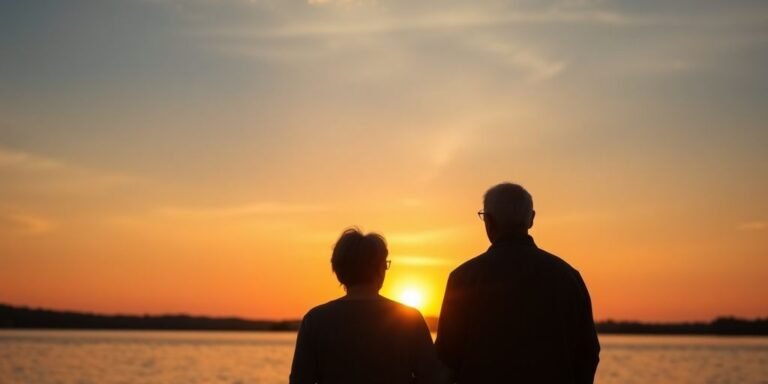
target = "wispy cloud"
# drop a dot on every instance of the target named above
(248, 209)
(57, 176)
(420, 261)
(534, 65)
(756, 225)
(446, 145)
(338, 2)
(302, 35)
(20, 222)
(443, 146)
(440, 21)
(24, 161)
(422, 237)
(513, 34)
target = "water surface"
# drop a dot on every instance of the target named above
(111, 357)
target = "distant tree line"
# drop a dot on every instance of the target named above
(719, 326)
(23, 317)
(33, 318)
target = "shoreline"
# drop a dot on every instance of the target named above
(13, 317)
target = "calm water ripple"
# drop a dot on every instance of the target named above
(106, 357)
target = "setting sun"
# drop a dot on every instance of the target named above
(416, 287)
(412, 297)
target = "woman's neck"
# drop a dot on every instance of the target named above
(356, 292)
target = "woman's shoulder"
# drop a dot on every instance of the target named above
(407, 316)
(338, 306)
(402, 308)
(322, 309)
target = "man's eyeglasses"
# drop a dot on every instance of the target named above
(481, 214)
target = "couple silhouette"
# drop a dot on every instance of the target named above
(514, 314)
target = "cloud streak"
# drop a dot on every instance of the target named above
(32, 171)
(757, 225)
(16, 221)
(420, 261)
(534, 65)
(422, 237)
(249, 209)
(439, 22)
(303, 36)
(24, 161)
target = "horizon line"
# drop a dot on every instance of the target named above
(289, 319)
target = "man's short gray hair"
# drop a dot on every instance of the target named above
(510, 205)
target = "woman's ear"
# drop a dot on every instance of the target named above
(382, 275)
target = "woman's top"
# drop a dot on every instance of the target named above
(366, 341)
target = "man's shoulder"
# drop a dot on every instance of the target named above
(554, 260)
(475, 263)
(542, 260)
(558, 268)
(545, 259)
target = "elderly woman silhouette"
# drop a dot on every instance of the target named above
(362, 337)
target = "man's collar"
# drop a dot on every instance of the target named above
(514, 240)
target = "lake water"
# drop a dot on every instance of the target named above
(106, 357)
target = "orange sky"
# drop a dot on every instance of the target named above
(203, 157)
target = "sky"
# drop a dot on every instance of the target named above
(201, 156)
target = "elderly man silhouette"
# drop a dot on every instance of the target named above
(516, 313)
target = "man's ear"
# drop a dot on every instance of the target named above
(533, 214)
(490, 227)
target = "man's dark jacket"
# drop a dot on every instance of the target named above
(517, 314)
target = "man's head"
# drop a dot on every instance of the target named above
(508, 210)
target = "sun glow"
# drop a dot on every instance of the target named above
(417, 288)
(412, 297)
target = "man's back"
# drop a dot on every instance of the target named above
(517, 314)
